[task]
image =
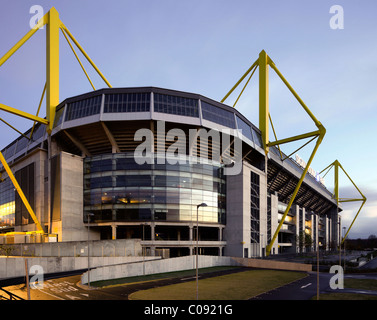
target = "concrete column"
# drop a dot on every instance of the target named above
(274, 220)
(153, 231)
(114, 231)
(220, 234)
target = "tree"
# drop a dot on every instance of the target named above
(308, 240)
(303, 240)
(372, 241)
(300, 241)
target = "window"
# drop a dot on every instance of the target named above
(22, 144)
(176, 105)
(257, 138)
(83, 108)
(246, 130)
(127, 102)
(58, 117)
(254, 207)
(7, 203)
(218, 115)
(114, 183)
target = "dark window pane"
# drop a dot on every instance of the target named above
(246, 129)
(176, 105)
(218, 115)
(127, 102)
(83, 108)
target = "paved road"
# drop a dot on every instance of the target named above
(68, 288)
(303, 289)
(65, 288)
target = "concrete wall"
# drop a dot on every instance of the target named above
(72, 198)
(185, 263)
(102, 248)
(15, 266)
(272, 264)
(274, 221)
(233, 231)
(157, 266)
(237, 229)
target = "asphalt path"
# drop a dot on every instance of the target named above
(69, 288)
(302, 289)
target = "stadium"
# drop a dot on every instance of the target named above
(94, 184)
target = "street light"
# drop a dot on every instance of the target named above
(344, 246)
(88, 215)
(197, 246)
(143, 248)
(317, 245)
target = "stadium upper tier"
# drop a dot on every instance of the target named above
(105, 121)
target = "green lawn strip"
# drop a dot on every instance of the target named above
(158, 276)
(345, 296)
(362, 284)
(236, 286)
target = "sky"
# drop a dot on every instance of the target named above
(204, 47)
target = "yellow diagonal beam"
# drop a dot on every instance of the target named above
(244, 87)
(273, 66)
(22, 114)
(78, 59)
(294, 138)
(39, 108)
(85, 54)
(15, 129)
(239, 81)
(25, 38)
(336, 164)
(269, 246)
(20, 192)
(353, 221)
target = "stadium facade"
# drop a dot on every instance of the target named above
(85, 179)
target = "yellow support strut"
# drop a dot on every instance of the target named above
(336, 164)
(21, 194)
(263, 63)
(53, 23)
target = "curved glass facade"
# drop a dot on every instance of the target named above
(116, 188)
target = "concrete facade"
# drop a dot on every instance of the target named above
(160, 208)
(237, 231)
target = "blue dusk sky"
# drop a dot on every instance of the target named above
(205, 46)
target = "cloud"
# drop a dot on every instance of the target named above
(365, 223)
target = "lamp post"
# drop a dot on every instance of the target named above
(143, 248)
(197, 247)
(344, 246)
(317, 246)
(88, 215)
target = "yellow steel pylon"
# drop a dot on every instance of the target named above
(54, 24)
(264, 62)
(336, 164)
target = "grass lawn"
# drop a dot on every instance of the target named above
(237, 286)
(345, 296)
(363, 284)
